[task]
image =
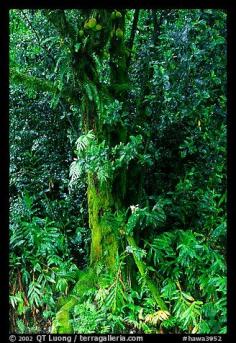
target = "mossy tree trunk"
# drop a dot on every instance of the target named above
(101, 199)
(104, 245)
(83, 46)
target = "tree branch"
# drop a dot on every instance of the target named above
(42, 85)
(157, 24)
(142, 270)
(131, 40)
(156, 30)
(38, 38)
(59, 21)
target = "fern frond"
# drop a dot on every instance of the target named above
(84, 140)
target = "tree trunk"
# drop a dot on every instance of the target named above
(104, 200)
(104, 245)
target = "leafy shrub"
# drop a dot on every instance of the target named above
(40, 264)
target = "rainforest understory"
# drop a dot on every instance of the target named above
(117, 171)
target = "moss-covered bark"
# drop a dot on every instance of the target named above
(103, 201)
(104, 241)
(62, 323)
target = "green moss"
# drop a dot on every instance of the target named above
(63, 319)
(86, 281)
(61, 301)
(104, 242)
(62, 323)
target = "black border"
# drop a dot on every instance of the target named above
(4, 176)
(4, 145)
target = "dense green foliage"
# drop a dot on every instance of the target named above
(118, 171)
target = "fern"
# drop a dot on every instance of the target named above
(87, 318)
(35, 293)
(89, 91)
(114, 220)
(76, 171)
(83, 141)
(114, 288)
(144, 217)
